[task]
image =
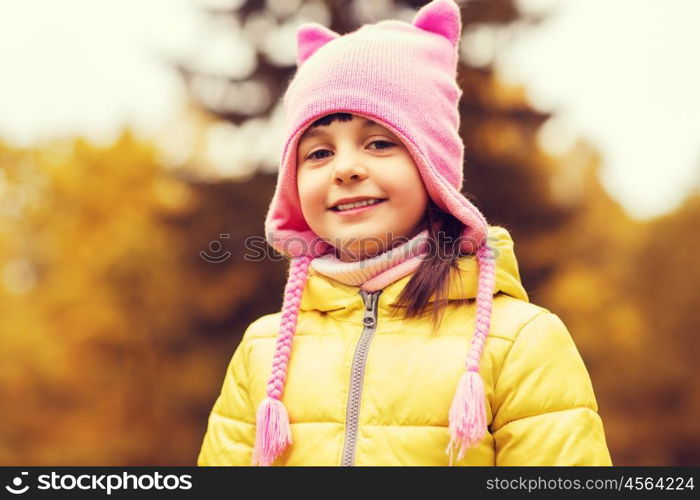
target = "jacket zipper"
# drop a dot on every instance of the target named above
(352, 415)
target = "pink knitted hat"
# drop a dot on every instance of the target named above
(402, 76)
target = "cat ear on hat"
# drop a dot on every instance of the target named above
(442, 17)
(310, 38)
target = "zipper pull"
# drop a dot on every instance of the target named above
(370, 298)
(374, 296)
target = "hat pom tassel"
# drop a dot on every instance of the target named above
(273, 432)
(467, 414)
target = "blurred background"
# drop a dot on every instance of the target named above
(139, 144)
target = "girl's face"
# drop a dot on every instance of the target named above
(359, 159)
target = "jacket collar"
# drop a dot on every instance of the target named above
(322, 293)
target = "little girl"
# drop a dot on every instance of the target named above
(405, 336)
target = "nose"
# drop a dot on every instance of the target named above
(348, 170)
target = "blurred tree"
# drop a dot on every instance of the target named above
(102, 289)
(664, 273)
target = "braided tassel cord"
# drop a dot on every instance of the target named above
(467, 416)
(273, 433)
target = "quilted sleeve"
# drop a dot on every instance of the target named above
(544, 408)
(230, 434)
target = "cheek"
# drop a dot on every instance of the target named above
(409, 193)
(406, 185)
(311, 192)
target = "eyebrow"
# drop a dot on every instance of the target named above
(318, 131)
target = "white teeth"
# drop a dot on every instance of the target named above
(347, 206)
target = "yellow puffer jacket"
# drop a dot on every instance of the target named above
(541, 408)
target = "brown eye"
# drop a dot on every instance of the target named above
(313, 156)
(386, 144)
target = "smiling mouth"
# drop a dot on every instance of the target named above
(357, 213)
(377, 201)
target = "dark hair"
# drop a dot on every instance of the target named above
(432, 277)
(328, 119)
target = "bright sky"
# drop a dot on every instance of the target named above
(622, 73)
(89, 66)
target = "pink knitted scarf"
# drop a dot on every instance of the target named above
(376, 272)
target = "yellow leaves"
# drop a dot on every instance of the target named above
(173, 195)
(107, 310)
(626, 326)
(583, 288)
(500, 138)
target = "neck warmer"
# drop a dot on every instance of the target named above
(375, 273)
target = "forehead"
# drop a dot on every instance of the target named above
(319, 130)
